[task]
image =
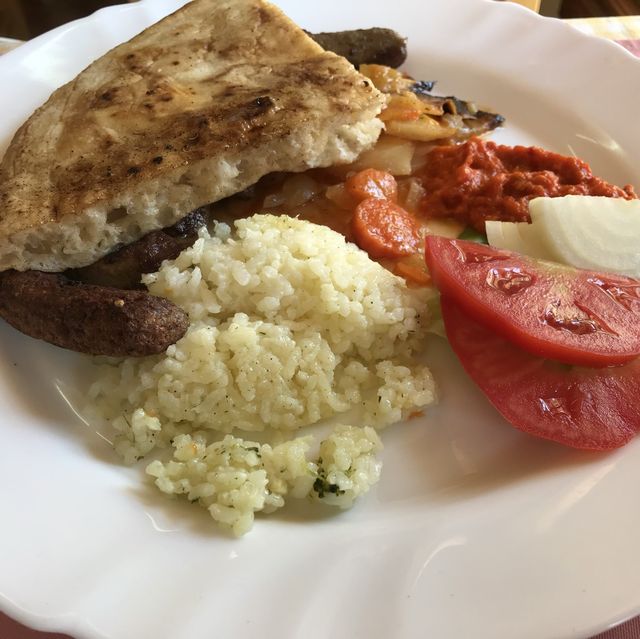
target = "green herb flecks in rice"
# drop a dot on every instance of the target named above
(289, 325)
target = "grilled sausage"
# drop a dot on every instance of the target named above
(365, 46)
(123, 268)
(89, 319)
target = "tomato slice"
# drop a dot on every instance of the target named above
(553, 311)
(588, 408)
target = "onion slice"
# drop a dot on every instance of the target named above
(595, 233)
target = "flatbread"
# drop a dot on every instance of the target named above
(194, 109)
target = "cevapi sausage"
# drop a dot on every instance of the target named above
(89, 319)
(124, 267)
(365, 46)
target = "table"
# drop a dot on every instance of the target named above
(626, 31)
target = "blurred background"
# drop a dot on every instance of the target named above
(24, 19)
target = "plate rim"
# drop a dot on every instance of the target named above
(74, 623)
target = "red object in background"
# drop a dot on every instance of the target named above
(10, 629)
(631, 45)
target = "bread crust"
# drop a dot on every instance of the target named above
(196, 108)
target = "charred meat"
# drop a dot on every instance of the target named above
(365, 46)
(89, 319)
(124, 267)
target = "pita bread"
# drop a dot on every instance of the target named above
(194, 109)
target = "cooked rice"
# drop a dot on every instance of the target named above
(234, 478)
(289, 324)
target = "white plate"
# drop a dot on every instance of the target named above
(475, 529)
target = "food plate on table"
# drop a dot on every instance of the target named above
(474, 527)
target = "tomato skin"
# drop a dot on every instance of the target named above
(573, 316)
(586, 408)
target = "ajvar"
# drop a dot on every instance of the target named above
(478, 181)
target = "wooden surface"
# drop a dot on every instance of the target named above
(530, 4)
(599, 8)
(24, 19)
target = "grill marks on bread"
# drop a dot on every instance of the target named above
(192, 110)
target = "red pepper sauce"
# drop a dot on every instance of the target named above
(478, 181)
